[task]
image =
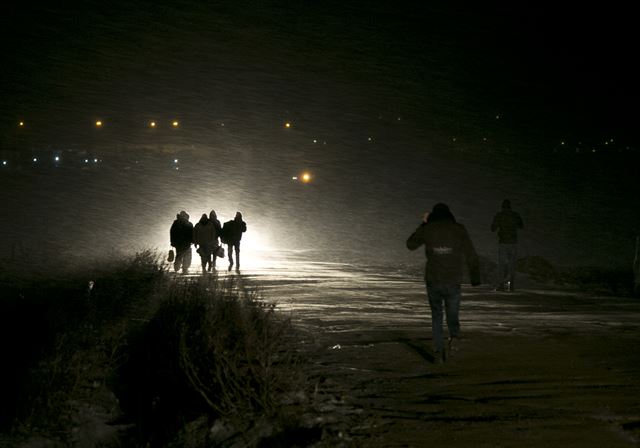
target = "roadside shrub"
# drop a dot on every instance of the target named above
(62, 332)
(214, 349)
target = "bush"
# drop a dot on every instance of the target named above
(538, 269)
(179, 353)
(211, 349)
(58, 334)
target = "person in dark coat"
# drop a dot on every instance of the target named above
(447, 245)
(181, 235)
(232, 231)
(507, 223)
(205, 240)
(213, 217)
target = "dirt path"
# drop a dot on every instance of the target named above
(535, 367)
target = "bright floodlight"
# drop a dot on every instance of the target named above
(306, 177)
(86, 160)
(152, 124)
(4, 162)
(98, 123)
(95, 160)
(56, 158)
(21, 123)
(35, 159)
(175, 124)
(175, 160)
(287, 125)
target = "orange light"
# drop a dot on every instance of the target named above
(175, 124)
(306, 178)
(152, 124)
(98, 123)
(21, 123)
(287, 125)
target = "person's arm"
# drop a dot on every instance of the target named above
(172, 234)
(244, 226)
(417, 238)
(471, 256)
(494, 224)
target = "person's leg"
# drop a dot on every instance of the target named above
(203, 257)
(502, 266)
(213, 257)
(237, 246)
(177, 264)
(452, 310)
(513, 259)
(435, 303)
(230, 254)
(186, 260)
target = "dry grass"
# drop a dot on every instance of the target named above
(172, 350)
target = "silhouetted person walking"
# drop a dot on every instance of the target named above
(507, 222)
(213, 217)
(205, 240)
(447, 244)
(232, 231)
(181, 235)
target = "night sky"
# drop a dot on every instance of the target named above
(392, 106)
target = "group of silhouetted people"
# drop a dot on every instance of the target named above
(447, 248)
(207, 236)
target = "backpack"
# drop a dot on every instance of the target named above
(224, 233)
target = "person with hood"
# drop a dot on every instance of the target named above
(181, 235)
(232, 231)
(205, 240)
(507, 222)
(213, 217)
(447, 245)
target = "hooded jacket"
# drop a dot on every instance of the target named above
(232, 230)
(447, 245)
(181, 233)
(507, 222)
(204, 233)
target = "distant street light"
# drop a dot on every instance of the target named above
(287, 125)
(98, 123)
(152, 124)
(175, 124)
(21, 124)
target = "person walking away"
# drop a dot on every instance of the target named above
(447, 246)
(507, 222)
(232, 231)
(204, 236)
(181, 235)
(218, 233)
